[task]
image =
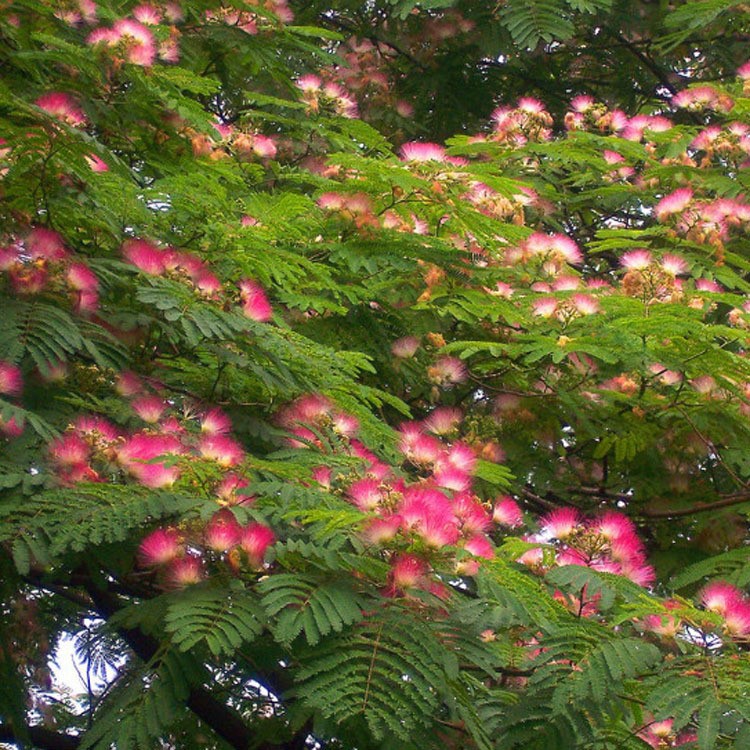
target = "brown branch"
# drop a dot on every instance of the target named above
(43, 738)
(728, 501)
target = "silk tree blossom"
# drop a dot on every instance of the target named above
(184, 571)
(255, 304)
(145, 256)
(255, 540)
(160, 547)
(408, 571)
(222, 532)
(506, 512)
(229, 491)
(11, 380)
(443, 420)
(447, 371)
(223, 449)
(62, 107)
(149, 408)
(406, 347)
(215, 422)
(415, 151)
(129, 37)
(137, 456)
(674, 203)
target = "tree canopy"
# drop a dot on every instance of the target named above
(375, 375)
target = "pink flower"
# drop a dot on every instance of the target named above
(471, 514)
(69, 450)
(222, 532)
(673, 203)
(45, 243)
(507, 513)
(61, 106)
(636, 260)
(138, 41)
(215, 422)
(443, 420)
(97, 429)
(720, 597)
(451, 478)
(145, 256)
(480, 546)
(80, 277)
(365, 494)
(383, 529)
(137, 457)
(11, 380)
(421, 152)
(405, 348)
(561, 523)
(147, 14)
(408, 571)
(160, 547)
(230, 490)
(255, 304)
(184, 571)
(222, 449)
(545, 307)
(585, 304)
(149, 408)
(96, 164)
(447, 371)
(255, 539)
(674, 265)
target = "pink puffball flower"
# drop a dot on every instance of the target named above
(230, 490)
(561, 523)
(145, 256)
(447, 371)
(69, 450)
(450, 478)
(462, 457)
(149, 408)
(222, 449)
(222, 532)
(408, 571)
(45, 244)
(674, 203)
(255, 304)
(11, 380)
(137, 457)
(405, 348)
(383, 529)
(674, 265)
(443, 420)
(81, 278)
(96, 164)
(62, 107)
(147, 14)
(422, 152)
(545, 307)
(585, 304)
(215, 422)
(138, 41)
(507, 512)
(480, 546)
(471, 514)
(365, 494)
(160, 547)
(184, 571)
(636, 260)
(720, 597)
(255, 539)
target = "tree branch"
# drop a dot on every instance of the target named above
(41, 737)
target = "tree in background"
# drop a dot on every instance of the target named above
(320, 430)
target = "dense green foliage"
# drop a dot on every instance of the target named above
(374, 376)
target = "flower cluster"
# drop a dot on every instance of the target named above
(186, 555)
(40, 262)
(321, 96)
(416, 514)
(166, 261)
(608, 543)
